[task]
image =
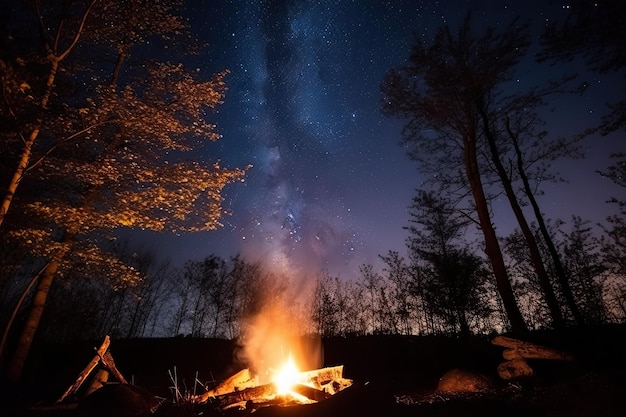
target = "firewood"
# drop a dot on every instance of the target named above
(100, 378)
(85, 372)
(109, 363)
(310, 392)
(511, 354)
(261, 392)
(241, 380)
(320, 377)
(520, 349)
(336, 385)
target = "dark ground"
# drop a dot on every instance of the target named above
(393, 376)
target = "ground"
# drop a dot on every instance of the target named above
(393, 376)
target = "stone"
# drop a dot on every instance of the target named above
(513, 369)
(460, 380)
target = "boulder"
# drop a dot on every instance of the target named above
(514, 369)
(459, 380)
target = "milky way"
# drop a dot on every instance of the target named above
(330, 185)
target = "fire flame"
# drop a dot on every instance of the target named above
(287, 377)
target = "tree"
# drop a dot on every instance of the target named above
(401, 292)
(585, 269)
(441, 90)
(371, 282)
(454, 277)
(17, 89)
(491, 133)
(132, 173)
(520, 128)
(613, 242)
(325, 309)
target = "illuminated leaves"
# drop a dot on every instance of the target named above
(120, 154)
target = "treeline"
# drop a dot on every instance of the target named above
(434, 289)
(479, 135)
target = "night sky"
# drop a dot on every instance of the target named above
(330, 184)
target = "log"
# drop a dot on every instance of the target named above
(261, 392)
(310, 392)
(85, 372)
(511, 354)
(100, 378)
(336, 385)
(320, 377)
(109, 363)
(242, 388)
(526, 350)
(241, 380)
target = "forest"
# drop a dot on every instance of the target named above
(93, 142)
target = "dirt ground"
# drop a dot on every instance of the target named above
(393, 376)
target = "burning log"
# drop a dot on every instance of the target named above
(241, 380)
(311, 393)
(242, 389)
(260, 393)
(321, 377)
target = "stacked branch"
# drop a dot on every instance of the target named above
(107, 366)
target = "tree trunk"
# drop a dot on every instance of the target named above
(531, 242)
(16, 366)
(556, 259)
(18, 305)
(492, 247)
(55, 59)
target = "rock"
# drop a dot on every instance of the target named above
(516, 368)
(459, 380)
(119, 400)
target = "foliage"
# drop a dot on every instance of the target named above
(127, 157)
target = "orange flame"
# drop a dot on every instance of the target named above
(287, 377)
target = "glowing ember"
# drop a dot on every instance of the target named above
(287, 377)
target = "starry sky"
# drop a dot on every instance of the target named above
(330, 183)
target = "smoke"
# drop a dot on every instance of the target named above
(276, 328)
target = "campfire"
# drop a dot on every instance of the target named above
(288, 386)
(282, 366)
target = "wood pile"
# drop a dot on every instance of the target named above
(103, 360)
(516, 354)
(242, 390)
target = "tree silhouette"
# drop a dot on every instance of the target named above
(442, 90)
(613, 243)
(530, 158)
(454, 279)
